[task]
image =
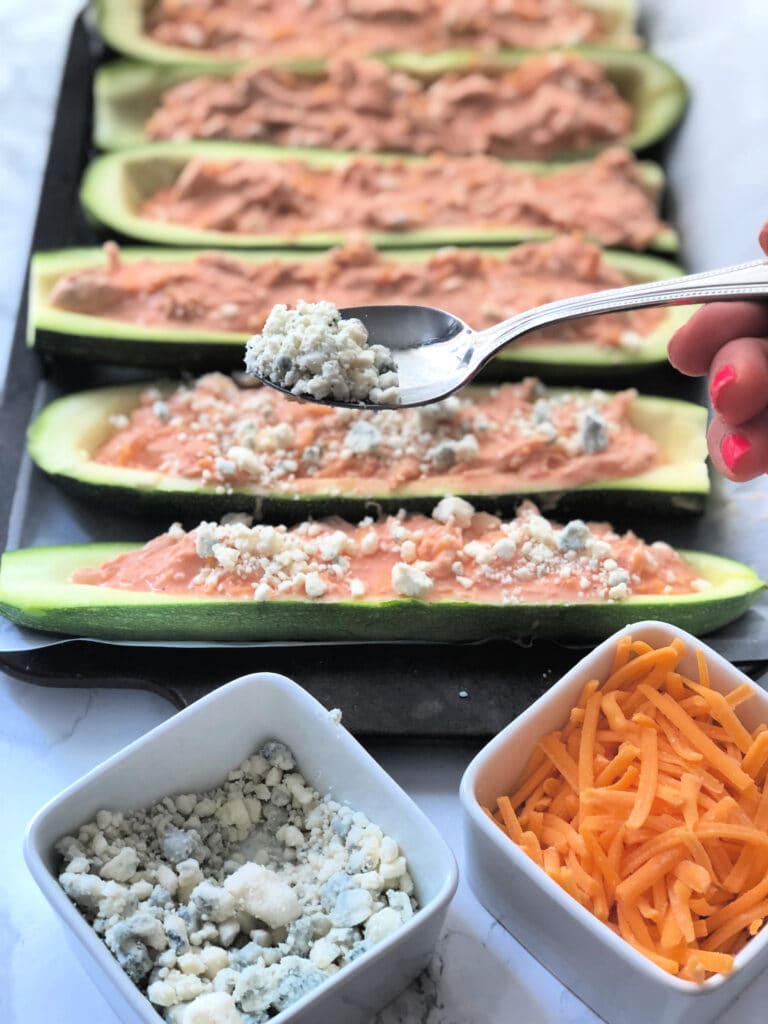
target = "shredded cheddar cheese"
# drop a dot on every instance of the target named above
(650, 807)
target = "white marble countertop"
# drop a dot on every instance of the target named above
(48, 738)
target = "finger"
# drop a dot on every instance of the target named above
(764, 238)
(693, 347)
(738, 380)
(743, 453)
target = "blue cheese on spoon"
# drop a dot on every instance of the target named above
(312, 351)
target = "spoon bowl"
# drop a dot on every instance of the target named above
(403, 328)
(432, 348)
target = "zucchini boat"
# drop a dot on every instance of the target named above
(116, 184)
(65, 435)
(121, 23)
(62, 332)
(127, 93)
(35, 592)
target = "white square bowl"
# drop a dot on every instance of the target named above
(193, 751)
(620, 984)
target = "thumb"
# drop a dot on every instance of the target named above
(763, 238)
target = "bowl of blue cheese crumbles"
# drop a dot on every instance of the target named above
(287, 875)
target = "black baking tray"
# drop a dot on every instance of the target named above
(404, 690)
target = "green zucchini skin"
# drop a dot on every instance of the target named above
(77, 336)
(192, 508)
(35, 593)
(114, 184)
(121, 25)
(62, 437)
(127, 92)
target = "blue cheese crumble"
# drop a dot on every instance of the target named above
(225, 907)
(311, 351)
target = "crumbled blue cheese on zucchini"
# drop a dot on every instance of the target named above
(226, 907)
(312, 351)
(410, 581)
(454, 511)
(243, 446)
(594, 435)
(311, 558)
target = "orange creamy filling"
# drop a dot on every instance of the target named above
(604, 197)
(516, 435)
(295, 28)
(455, 555)
(217, 292)
(552, 103)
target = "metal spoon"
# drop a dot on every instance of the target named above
(436, 353)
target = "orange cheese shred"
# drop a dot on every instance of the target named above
(718, 759)
(648, 784)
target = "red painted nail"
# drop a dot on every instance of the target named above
(721, 378)
(733, 448)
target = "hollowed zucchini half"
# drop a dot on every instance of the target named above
(61, 332)
(126, 93)
(65, 436)
(121, 23)
(116, 184)
(35, 592)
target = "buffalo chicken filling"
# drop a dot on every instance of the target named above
(551, 104)
(605, 197)
(457, 554)
(217, 292)
(288, 29)
(499, 440)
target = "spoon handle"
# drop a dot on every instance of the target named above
(743, 281)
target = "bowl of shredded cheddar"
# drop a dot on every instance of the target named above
(619, 828)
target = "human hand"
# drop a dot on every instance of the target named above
(728, 342)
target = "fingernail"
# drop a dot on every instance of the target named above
(725, 376)
(733, 448)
